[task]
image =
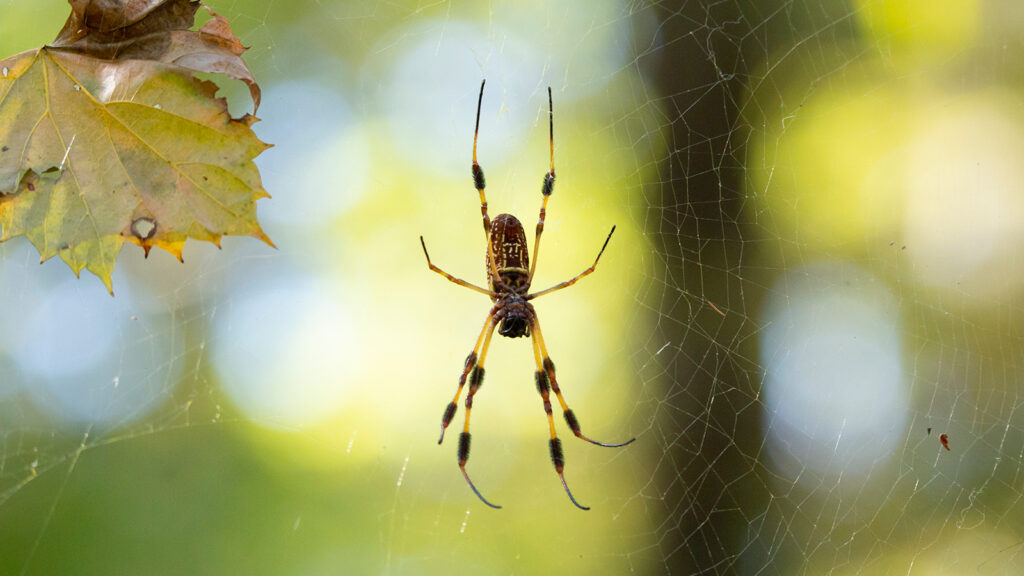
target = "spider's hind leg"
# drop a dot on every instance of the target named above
(548, 368)
(476, 379)
(449, 411)
(544, 388)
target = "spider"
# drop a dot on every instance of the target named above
(509, 275)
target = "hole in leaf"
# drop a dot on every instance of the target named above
(144, 228)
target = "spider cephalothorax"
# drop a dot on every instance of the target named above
(509, 275)
(514, 314)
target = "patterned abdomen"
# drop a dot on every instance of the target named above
(511, 256)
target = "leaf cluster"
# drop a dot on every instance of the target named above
(107, 136)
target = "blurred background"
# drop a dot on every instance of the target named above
(817, 272)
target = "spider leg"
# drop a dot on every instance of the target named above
(544, 388)
(481, 183)
(548, 368)
(475, 380)
(575, 279)
(458, 281)
(449, 411)
(546, 189)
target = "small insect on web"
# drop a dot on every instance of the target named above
(509, 274)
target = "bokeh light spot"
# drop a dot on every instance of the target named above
(315, 173)
(431, 97)
(83, 356)
(965, 201)
(286, 351)
(918, 28)
(835, 399)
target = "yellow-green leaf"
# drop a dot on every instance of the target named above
(110, 138)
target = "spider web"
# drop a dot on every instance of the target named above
(814, 280)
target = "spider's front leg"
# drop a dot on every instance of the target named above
(480, 183)
(546, 189)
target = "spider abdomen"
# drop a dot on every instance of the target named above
(511, 255)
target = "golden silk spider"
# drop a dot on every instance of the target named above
(509, 274)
